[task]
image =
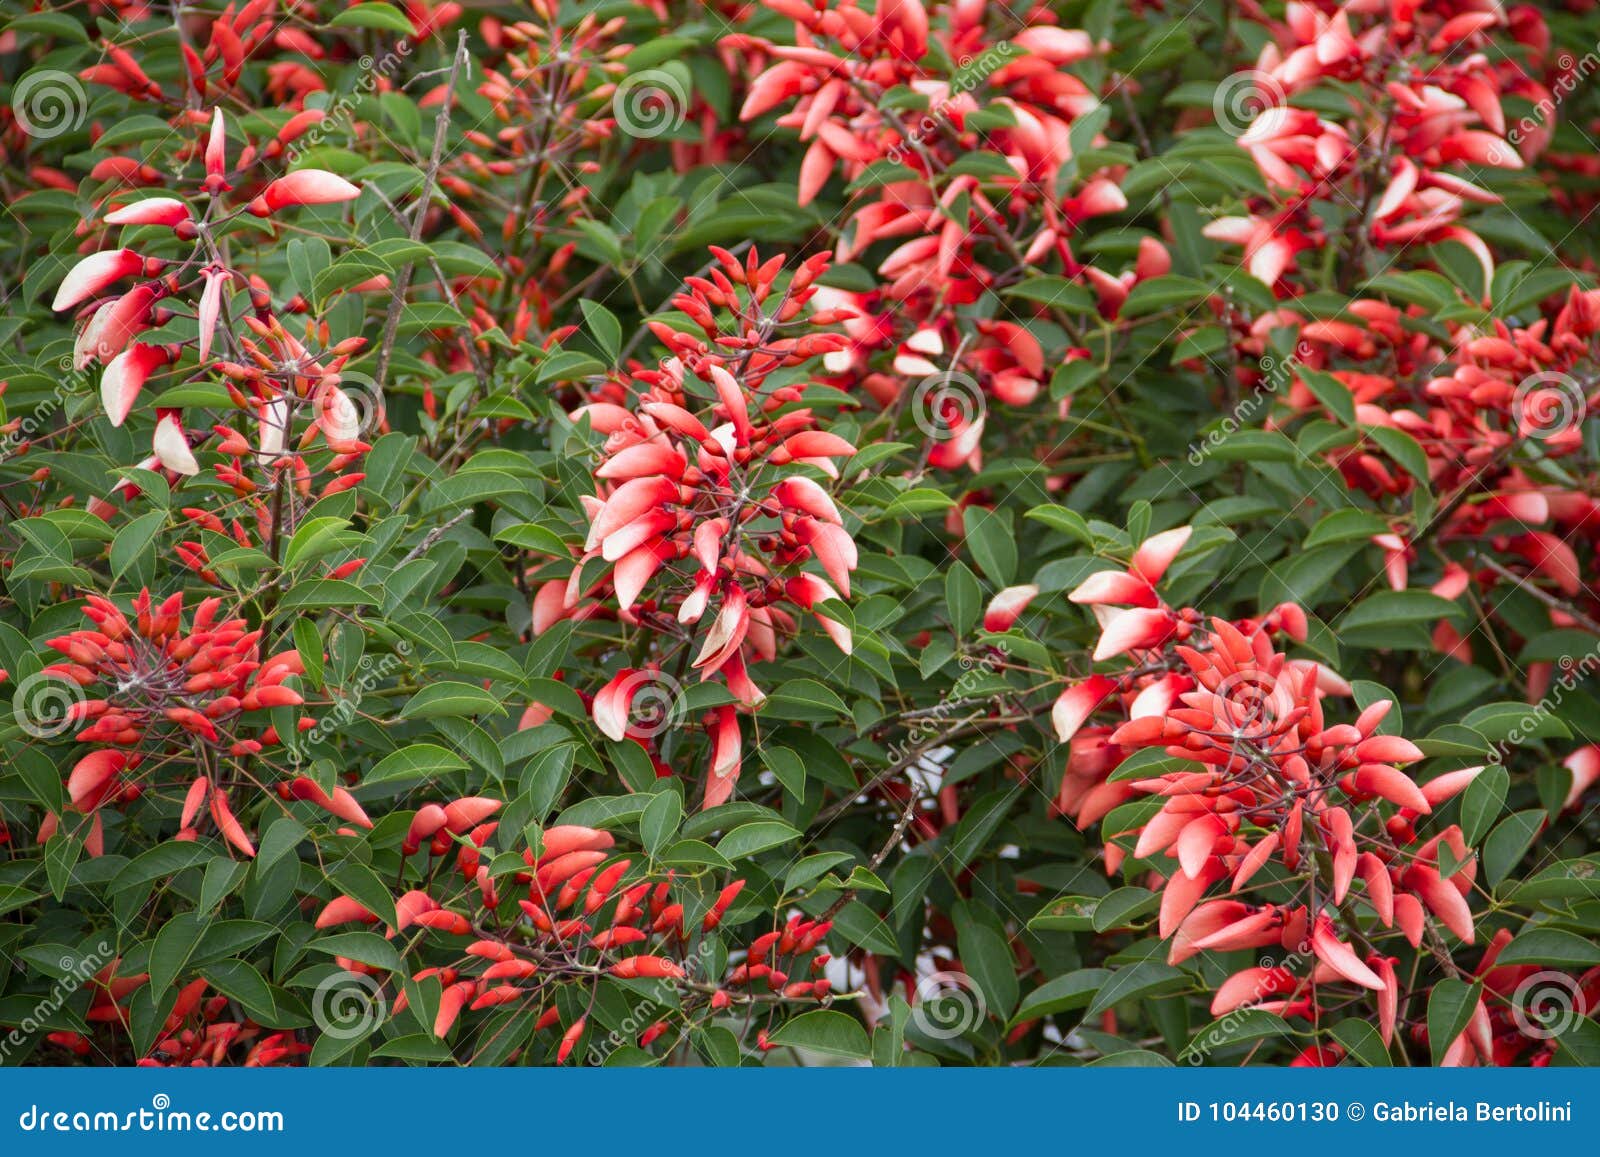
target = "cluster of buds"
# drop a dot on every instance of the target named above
(217, 50)
(846, 59)
(1251, 773)
(156, 680)
(198, 1033)
(275, 377)
(1424, 98)
(704, 509)
(953, 233)
(587, 914)
(774, 959)
(1487, 408)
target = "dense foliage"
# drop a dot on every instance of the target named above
(810, 531)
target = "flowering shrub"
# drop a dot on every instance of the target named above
(810, 531)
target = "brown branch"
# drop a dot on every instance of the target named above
(430, 176)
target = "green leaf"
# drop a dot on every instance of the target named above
(1450, 1007)
(660, 821)
(1118, 908)
(992, 542)
(422, 1048)
(363, 885)
(373, 14)
(221, 878)
(419, 761)
(963, 597)
(1345, 526)
(245, 984)
(972, 833)
(1135, 982)
(173, 947)
(787, 768)
(1054, 293)
(1067, 914)
(1255, 446)
(1403, 448)
(824, 1031)
(752, 839)
(1238, 1027)
(451, 700)
(604, 326)
(280, 839)
(367, 947)
(1514, 722)
(1482, 801)
(1396, 609)
(1550, 946)
(1065, 520)
(916, 501)
(864, 928)
(1331, 392)
(804, 699)
(314, 538)
(532, 536)
(155, 863)
(813, 868)
(1160, 293)
(321, 593)
(1509, 842)
(988, 961)
(1064, 993)
(134, 539)
(1363, 1042)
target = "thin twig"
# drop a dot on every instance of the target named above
(430, 176)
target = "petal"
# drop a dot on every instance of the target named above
(171, 446)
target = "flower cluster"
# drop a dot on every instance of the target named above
(1423, 97)
(704, 500)
(157, 681)
(1251, 773)
(587, 913)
